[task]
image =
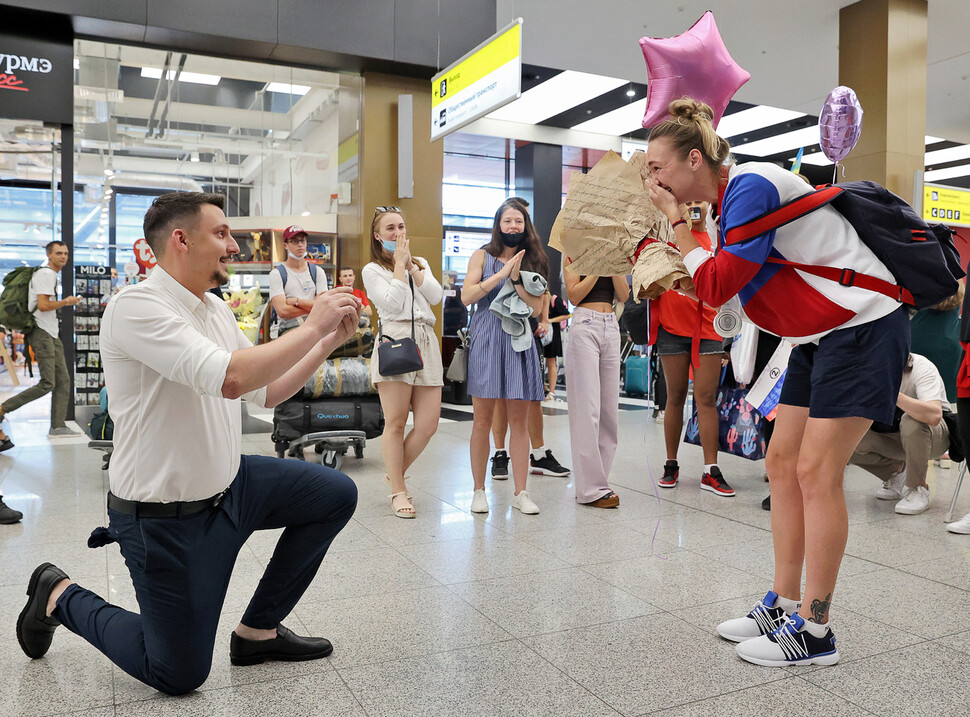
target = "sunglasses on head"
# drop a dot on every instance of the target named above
(384, 210)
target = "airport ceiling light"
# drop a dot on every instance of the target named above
(820, 160)
(950, 154)
(287, 89)
(620, 121)
(754, 118)
(938, 175)
(805, 137)
(198, 78)
(557, 94)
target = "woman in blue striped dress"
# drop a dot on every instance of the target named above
(497, 372)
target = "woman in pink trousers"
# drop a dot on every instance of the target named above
(593, 383)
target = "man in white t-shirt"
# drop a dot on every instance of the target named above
(294, 284)
(899, 457)
(42, 301)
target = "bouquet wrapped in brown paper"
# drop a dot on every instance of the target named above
(606, 217)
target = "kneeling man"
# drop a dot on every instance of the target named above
(182, 499)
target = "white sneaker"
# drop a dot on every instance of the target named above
(892, 489)
(765, 617)
(915, 501)
(961, 526)
(479, 502)
(524, 504)
(790, 644)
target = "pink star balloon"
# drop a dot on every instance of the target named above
(695, 64)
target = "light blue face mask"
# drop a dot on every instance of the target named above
(390, 245)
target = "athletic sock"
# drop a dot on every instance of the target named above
(708, 466)
(789, 606)
(539, 452)
(816, 630)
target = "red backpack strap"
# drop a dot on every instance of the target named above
(786, 213)
(850, 277)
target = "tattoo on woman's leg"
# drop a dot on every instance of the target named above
(820, 609)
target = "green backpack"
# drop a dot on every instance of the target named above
(13, 300)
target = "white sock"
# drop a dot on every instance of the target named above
(789, 606)
(499, 450)
(539, 452)
(816, 630)
(708, 466)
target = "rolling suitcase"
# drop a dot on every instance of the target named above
(636, 380)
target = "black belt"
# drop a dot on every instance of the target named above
(141, 509)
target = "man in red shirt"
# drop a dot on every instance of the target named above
(347, 278)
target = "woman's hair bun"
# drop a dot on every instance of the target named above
(691, 109)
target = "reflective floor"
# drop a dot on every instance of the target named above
(576, 611)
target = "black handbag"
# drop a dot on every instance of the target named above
(397, 356)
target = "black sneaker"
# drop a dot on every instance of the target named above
(8, 515)
(766, 503)
(671, 473)
(715, 483)
(500, 466)
(5, 444)
(547, 466)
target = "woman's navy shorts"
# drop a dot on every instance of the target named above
(851, 372)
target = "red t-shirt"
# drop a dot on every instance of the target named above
(359, 293)
(963, 373)
(678, 313)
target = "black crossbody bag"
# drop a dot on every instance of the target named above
(397, 356)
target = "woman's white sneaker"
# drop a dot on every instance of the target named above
(524, 504)
(961, 527)
(764, 618)
(479, 502)
(790, 644)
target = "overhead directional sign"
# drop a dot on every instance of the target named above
(948, 205)
(483, 80)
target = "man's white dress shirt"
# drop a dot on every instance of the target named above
(165, 354)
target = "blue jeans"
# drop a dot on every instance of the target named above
(181, 567)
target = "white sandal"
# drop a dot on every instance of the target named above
(406, 510)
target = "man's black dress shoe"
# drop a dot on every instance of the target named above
(34, 628)
(286, 647)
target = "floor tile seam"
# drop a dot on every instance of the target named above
(161, 697)
(623, 590)
(411, 658)
(922, 638)
(938, 582)
(714, 697)
(805, 678)
(702, 510)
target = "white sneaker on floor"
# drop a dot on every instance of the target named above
(524, 504)
(892, 489)
(479, 502)
(765, 617)
(915, 501)
(962, 526)
(790, 644)
(62, 431)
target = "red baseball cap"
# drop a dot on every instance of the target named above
(292, 231)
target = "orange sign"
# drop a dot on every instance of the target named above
(144, 256)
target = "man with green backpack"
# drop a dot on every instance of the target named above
(34, 312)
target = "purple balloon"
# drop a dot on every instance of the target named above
(840, 123)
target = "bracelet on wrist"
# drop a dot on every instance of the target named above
(674, 225)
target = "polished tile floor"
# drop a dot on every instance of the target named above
(576, 611)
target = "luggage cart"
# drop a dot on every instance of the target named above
(331, 426)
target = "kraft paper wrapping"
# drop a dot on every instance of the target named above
(658, 269)
(606, 215)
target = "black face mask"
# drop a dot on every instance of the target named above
(513, 240)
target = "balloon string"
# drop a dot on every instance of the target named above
(835, 173)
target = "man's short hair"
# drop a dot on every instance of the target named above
(172, 208)
(49, 247)
(345, 268)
